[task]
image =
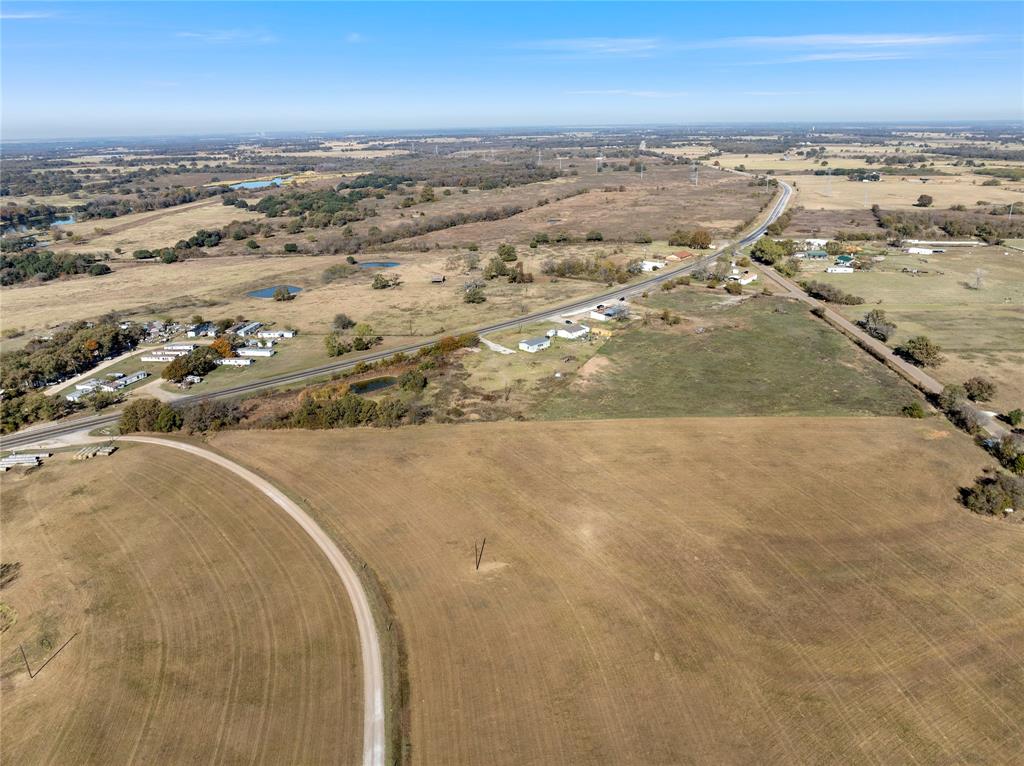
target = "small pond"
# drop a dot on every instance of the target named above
(259, 184)
(65, 221)
(373, 384)
(268, 292)
(378, 264)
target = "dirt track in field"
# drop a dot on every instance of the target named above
(748, 590)
(209, 628)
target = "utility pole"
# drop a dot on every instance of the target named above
(1009, 214)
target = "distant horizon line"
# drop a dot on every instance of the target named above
(505, 129)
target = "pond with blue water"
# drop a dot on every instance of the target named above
(268, 292)
(379, 264)
(259, 184)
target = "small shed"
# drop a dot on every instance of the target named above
(438, 279)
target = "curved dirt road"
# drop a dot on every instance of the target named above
(373, 670)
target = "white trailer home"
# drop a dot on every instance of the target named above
(533, 345)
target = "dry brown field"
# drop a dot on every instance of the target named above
(664, 201)
(206, 626)
(681, 591)
(154, 228)
(896, 192)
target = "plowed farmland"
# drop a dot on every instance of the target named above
(204, 627)
(774, 590)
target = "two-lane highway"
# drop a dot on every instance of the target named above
(40, 434)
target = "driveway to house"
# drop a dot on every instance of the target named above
(373, 669)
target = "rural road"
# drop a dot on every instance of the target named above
(35, 435)
(373, 669)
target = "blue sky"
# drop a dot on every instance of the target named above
(109, 69)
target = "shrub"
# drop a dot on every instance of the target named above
(99, 269)
(343, 322)
(877, 325)
(979, 389)
(951, 396)
(733, 288)
(413, 380)
(818, 311)
(594, 236)
(913, 410)
(252, 244)
(282, 293)
(291, 247)
(507, 253)
(1016, 417)
(335, 345)
(474, 294)
(922, 351)
(964, 417)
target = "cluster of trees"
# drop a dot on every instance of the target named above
(362, 338)
(318, 209)
(992, 227)
(347, 410)
(594, 267)
(44, 265)
(777, 254)
(21, 409)
(993, 495)
(142, 201)
(69, 351)
(829, 293)
(154, 415)
(696, 238)
(198, 362)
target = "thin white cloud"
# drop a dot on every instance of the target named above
(774, 93)
(894, 40)
(597, 46)
(628, 93)
(229, 36)
(849, 56)
(25, 15)
(353, 38)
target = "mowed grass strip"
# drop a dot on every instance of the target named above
(209, 629)
(741, 591)
(759, 356)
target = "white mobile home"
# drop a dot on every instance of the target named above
(276, 334)
(573, 331)
(256, 352)
(234, 361)
(533, 345)
(248, 328)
